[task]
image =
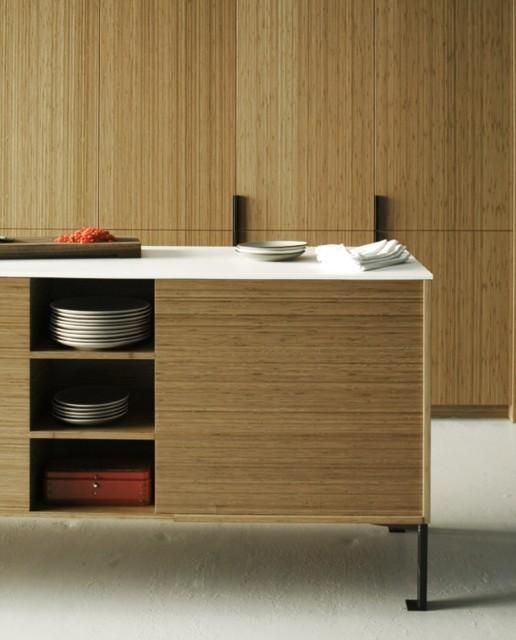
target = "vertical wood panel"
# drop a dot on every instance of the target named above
(48, 113)
(471, 313)
(167, 139)
(14, 399)
(443, 113)
(305, 113)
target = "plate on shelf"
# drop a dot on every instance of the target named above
(100, 345)
(100, 323)
(90, 421)
(89, 395)
(102, 306)
(106, 333)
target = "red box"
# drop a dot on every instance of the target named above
(102, 486)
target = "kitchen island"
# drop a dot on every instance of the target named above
(270, 392)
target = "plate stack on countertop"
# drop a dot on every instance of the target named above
(98, 322)
(271, 250)
(89, 405)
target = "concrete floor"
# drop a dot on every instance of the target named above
(138, 580)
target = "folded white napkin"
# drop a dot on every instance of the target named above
(375, 255)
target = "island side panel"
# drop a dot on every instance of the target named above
(290, 399)
(14, 399)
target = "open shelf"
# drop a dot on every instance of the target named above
(44, 290)
(94, 455)
(47, 376)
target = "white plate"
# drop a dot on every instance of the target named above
(86, 395)
(80, 339)
(108, 333)
(87, 412)
(271, 246)
(268, 257)
(90, 421)
(99, 345)
(112, 316)
(103, 324)
(89, 416)
(99, 305)
(114, 406)
(92, 416)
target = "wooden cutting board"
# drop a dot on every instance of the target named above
(26, 248)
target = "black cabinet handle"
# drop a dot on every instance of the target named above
(379, 217)
(237, 219)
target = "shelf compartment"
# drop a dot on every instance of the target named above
(44, 290)
(47, 376)
(79, 455)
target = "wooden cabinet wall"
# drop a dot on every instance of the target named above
(444, 144)
(147, 115)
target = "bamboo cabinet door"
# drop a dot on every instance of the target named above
(167, 119)
(304, 141)
(443, 114)
(48, 115)
(443, 166)
(14, 399)
(289, 399)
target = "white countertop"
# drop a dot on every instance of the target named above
(202, 263)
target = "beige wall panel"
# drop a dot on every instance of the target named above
(305, 113)
(443, 114)
(167, 119)
(471, 314)
(278, 398)
(48, 113)
(189, 237)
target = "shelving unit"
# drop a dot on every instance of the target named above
(129, 440)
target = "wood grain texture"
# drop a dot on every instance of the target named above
(14, 426)
(25, 247)
(182, 237)
(279, 399)
(443, 104)
(471, 314)
(48, 113)
(167, 118)
(305, 113)
(14, 317)
(470, 411)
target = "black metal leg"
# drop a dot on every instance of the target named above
(421, 603)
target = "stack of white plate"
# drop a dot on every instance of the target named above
(271, 250)
(90, 405)
(100, 322)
